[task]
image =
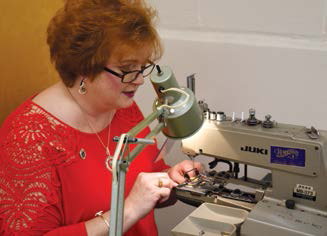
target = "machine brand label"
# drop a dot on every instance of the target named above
(257, 150)
(287, 156)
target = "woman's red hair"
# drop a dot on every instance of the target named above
(84, 33)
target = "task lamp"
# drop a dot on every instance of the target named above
(179, 116)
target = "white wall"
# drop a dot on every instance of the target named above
(270, 55)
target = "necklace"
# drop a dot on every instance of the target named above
(106, 147)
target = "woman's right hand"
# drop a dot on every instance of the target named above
(144, 196)
(147, 192)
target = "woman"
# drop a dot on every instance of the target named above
(53, 180)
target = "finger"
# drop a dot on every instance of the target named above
(198, 165)
(187, 164)
(165, 182)
(152, 178)
(159, 175)
(192, 164)
(193, 173)
(196, 168)
(164, 194)
(177, 177)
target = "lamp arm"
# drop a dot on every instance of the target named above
(116, 156)
(148, 120)
(176, 121)
(119, 169)
(140, 147)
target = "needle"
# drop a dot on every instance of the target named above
(165, 148)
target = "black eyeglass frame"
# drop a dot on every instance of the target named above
(124, 73)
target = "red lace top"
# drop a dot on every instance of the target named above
(45, 185)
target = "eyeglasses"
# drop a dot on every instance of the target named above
(130, 76)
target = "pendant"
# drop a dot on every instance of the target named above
(108, 162)
(82, 154)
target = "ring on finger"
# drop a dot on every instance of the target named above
(160, 183)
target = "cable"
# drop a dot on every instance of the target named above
(177, 90)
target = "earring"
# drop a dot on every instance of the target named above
(82, 88)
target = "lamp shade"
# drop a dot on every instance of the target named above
(183, 116)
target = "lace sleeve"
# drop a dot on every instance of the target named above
(31, 148)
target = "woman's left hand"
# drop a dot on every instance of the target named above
(176, 173)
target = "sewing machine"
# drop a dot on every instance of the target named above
(290, 200)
